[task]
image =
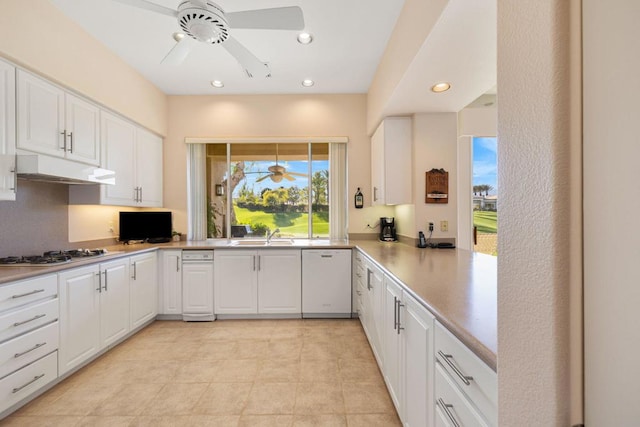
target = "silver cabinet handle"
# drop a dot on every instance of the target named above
(37, 346)
(135, 271)
(140, 195)
(27, 293)
(177, 263)
(259, 263)
(395, 313)
(36, 378)
(105, 280)
(369, 287)
(400, 328)
(64, 140)
(14, 171)
(70, 142)
(99, 288)
(445, 407)
(326, 256)
(447, 358)
(36, 317)
(254, 263)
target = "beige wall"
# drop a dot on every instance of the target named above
(540, 209)
(268, 115)
(434, 146)
(37, 36)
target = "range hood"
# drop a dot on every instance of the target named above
(35, 167)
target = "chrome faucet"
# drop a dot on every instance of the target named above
(270, 235)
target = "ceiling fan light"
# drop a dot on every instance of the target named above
(305, 38)
(308, 83)
(217, 83)
(177, 36)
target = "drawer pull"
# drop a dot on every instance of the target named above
(446, 357)
(37, 346)
(445, 407)
(36, 378)
(326, 256)
(27, 294)
(36, 317)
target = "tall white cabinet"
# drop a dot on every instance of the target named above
(391, 162)
(8, 177)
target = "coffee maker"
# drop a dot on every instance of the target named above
(388, 229)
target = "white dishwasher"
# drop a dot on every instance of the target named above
(326, 283)
(197, 285)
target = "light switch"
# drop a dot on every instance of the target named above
(444, 225)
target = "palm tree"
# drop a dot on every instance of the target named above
(476, 189)
(487, 188)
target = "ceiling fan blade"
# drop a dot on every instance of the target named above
(288, 176)
(179, 52)
(144, 4)
(297, 174)
(262, 178)
(278, 18)
(251, 64)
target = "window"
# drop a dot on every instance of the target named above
(485, 195)
(254, 187)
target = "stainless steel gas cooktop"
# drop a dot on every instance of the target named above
(50, 258)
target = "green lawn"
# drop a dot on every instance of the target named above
(291, 224)
(485, 221)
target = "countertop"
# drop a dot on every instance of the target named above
(459, 287)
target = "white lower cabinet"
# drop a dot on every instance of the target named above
(28, 338)
(257, 281)
(170, 294)
(94, 310)
(372, 306)
(143, 289)
(197, 289)
(408, 355)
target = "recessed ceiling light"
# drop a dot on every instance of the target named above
(177, 36)
(305, 38)
(308, 83)
(217, 83)
(441, 87)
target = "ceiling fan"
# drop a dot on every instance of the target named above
(205, 21)
(277, 172)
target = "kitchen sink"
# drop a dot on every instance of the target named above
(279, 242)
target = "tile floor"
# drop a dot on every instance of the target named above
(225, 373)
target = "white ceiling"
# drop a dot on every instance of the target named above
(349, 39)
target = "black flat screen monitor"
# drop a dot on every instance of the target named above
(145, 226)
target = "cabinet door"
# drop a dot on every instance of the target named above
(418, 363)
(7, 131)
(118, 139)
(197, 288)
(376, 296)
(79, 316)
(235, 281)
(171, 282)
(40, 116)
(82, 125)
(279, 281)
(143, 289)
(149, 168)
(114, 301)
(392, 342)
(377, 166)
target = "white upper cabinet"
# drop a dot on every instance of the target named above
(136, 157)
(391, 162)
(7, 131)
(54, 122)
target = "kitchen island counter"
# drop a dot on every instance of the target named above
(459, 287)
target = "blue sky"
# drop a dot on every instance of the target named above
(485, 169)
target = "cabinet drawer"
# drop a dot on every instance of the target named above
(27, 318)
(26, 348)
(473, 377)
(27, 291)
(452, 407)
(27, 380)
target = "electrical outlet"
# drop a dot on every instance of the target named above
(444, 225)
